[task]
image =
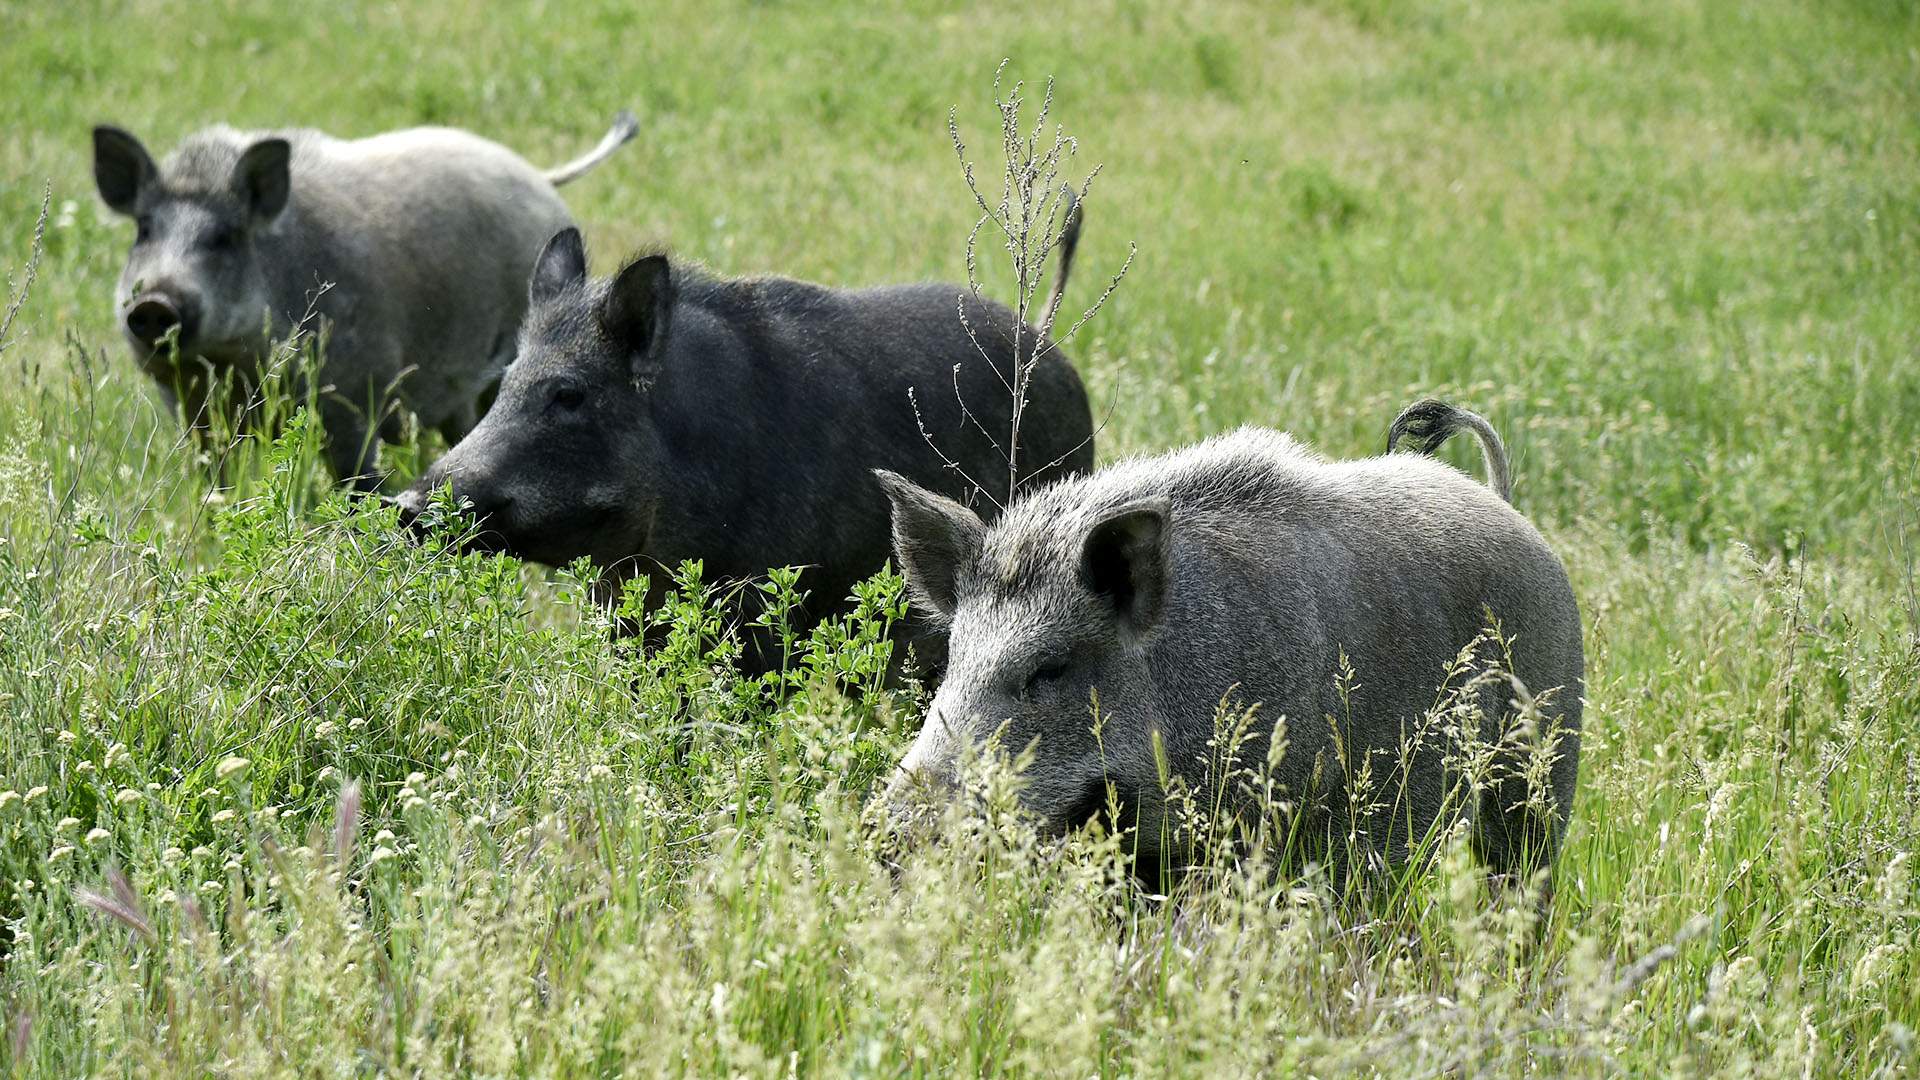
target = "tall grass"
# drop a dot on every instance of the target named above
(283, 795)
(575, 861)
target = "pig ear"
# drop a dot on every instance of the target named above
(1124, 562)
(121, 167)
(562, 264)
(637, 304)
(934, 538)
(263, 179)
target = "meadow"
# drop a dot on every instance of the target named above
(282, 794)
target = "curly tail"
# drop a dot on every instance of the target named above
(1428, 423)
(625, 127)
(1069, 239)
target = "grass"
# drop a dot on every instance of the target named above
(1670, 249)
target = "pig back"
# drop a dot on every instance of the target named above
(1286, 565)
(434, 232)
(779, 398)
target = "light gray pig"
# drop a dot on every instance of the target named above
(409, 252)
(1244, 569)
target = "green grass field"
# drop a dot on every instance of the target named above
(1671, 250)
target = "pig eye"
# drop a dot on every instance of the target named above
(1050, 672)
(222, 238)
(569, 397)
(143, 229)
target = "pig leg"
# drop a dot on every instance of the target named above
(1517, 829)
(352, 447)
(192, 395)
(358, 409)
(462, 420)
(607, 593)
(455, 427)
(505, 348)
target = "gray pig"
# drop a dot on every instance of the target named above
(409, 251)
(663, 415)
(1246, 568)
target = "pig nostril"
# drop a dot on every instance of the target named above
(488, 510)
(150, 319)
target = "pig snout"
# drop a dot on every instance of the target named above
(152, 315)
(410, 502)
(486, 504)
(921, 786)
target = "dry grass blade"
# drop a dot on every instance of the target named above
(346, 823)
(1904, 536)
(119, 903)
(1643, 968)
(1037, 215)
(20, 1035)
(196, 917)
(31, 271)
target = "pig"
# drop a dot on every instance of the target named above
(407, 253)
(664, 415)
(1248, 570)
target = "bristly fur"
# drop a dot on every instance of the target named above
(577, 307)
(741, 425)
(1043, 530)
(1250, 567)
(202, 165)
(411, 247)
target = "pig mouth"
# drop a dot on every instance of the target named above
(493, 535)
(1144, 854)
(484, 539)
(1120, 814)
(167, 359)
(483, 536)
(1091, 805)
